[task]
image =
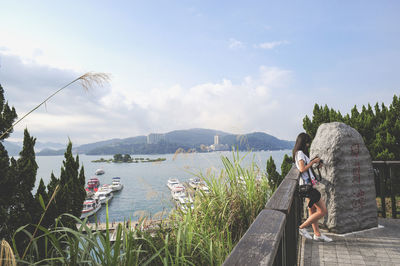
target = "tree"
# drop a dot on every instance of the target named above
(7, 188)
(274, 178)
(286, 165)
(72, 192)
(23, 207)
(379, 126)
(126, 158)
(118, 157)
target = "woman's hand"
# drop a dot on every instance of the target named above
(315, 160)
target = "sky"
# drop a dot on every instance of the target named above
(235, 66)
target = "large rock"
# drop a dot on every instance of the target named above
(347, 184)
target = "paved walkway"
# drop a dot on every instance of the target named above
(379, 246)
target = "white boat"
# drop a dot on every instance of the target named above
(99, 172)
(184, 202)
(194, 182)
(205, 189)
(90, 207)
(172, 182)
(178, 191)
(116, 184)
(104, 194)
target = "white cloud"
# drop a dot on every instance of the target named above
(271, 45)
(260, 102)
(235, 44)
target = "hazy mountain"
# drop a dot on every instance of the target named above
(185, 139)
(48, 145)
(195, 136)
(12, 148)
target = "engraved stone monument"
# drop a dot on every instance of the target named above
(347, 184)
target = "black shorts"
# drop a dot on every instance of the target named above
(314, 196)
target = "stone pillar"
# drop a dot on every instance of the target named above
(347, 184)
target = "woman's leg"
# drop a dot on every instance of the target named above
(314, 225)
(314, 217)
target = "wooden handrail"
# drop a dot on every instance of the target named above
(272, 239)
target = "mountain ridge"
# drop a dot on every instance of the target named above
(190, 139)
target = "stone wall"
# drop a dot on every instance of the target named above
(347, 184)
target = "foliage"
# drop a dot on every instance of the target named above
(202, 236)
(18, 206)
(274, 178)
(71, 190)
(379, 126)
(286, 165)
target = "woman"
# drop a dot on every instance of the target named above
(316, 206)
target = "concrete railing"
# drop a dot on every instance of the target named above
(272, 239)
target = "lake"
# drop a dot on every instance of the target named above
(145, 189)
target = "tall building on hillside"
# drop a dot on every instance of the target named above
(216, 140)
(154, 138)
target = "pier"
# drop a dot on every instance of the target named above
(273, 237)
(132, 225)
(377, 246)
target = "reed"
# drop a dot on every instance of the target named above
(87, 81)
(7, 257)
(202, 236)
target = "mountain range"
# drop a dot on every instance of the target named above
(192, 139)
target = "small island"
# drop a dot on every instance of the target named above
(126, 158)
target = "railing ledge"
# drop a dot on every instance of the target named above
(260, 243)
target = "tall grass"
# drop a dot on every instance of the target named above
(202, 236)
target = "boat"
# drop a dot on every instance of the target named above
(194, 182)
(93, 183)
(184, 202)
(103, 195)
(89, 193)
(178, 191)
(90, 207)
(205, 189)
(172, 182)
(99, 172)
(116, 184)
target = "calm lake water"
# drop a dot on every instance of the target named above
(145, 187)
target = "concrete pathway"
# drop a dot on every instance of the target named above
(380, 246)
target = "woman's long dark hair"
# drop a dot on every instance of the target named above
(301, 141)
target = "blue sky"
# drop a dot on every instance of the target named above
(236, 66)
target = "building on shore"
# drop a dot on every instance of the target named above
(154, 138)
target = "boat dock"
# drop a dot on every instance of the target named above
(377, 246)
(112, 226)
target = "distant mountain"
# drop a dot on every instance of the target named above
(12, 148)
(110, 143)
(48, 145)
(256, 141)
(185, 139)
(195, 136)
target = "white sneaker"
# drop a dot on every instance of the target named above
(305, 233)
(322, 238)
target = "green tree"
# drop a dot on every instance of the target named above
(379, 126)
(72, 193)
(274, 178)
(118, 157)
(7, 183)
(286, 165)
(126, 158)
(23, 208)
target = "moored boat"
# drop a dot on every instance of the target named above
(90, 207)
(194, 182)
(99, 172)
(172, 182)
(93, 183)
(103, 195)
(178, 191)
(116, 184)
